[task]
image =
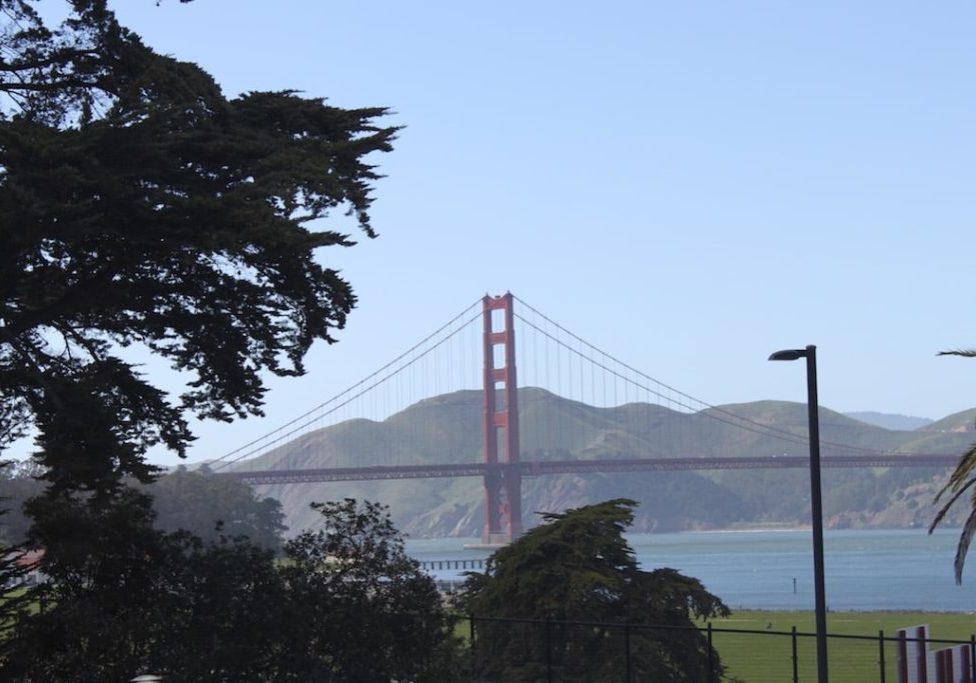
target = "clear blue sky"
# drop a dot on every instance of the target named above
(687, 185)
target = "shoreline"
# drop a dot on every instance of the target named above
(745, 530)
(475, 542)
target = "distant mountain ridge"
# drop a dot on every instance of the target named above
(890, 420)
(447, 429)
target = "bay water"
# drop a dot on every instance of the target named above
(897, 569)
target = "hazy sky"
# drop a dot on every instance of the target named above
(688, 185)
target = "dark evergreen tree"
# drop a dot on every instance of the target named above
(577, 567)
(123, 598)
(346, 605)
(18, 484)
(365, 611)
(107, 571)
(140, 206)
(209, 506)
(206, 506)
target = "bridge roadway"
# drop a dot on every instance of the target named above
(532, 468)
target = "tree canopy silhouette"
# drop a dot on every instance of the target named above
(578, 568)
(346, 604)
(140, 206)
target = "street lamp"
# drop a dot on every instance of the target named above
(816, 506)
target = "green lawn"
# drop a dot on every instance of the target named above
(766, 656)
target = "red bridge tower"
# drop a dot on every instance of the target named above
(503, 478)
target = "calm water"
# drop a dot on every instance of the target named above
(865, 570)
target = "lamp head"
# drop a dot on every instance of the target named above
(789, 354)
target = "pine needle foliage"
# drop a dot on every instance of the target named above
(578, 567)
(140, 206)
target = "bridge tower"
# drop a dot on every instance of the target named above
(503, 478)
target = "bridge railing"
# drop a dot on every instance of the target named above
(516, 650)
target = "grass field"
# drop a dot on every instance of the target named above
(767, 656)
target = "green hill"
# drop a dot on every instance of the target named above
(447, 429)
(964, 421)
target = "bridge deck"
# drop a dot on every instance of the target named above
(545, 467)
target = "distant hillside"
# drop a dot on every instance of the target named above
(447, 429)
(964, 421)
(890, 421)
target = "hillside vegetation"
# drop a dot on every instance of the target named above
(447, 429)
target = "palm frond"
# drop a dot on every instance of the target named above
(945, 508)
(960, 480)
(965, 538)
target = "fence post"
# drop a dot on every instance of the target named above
(972, 655)
(881, 655)
(630, 674)
(548, 649)
(471, 645)
(711, 656)
(796, 668)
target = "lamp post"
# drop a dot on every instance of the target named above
(816, 505)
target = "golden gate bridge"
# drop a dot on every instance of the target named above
(569, 366)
